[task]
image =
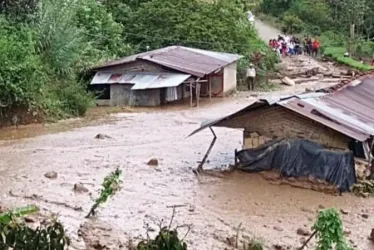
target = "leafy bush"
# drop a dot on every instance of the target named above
(292, 24)
(15, 234)
(166, 239)
(329, 230)
(109, 187)
(331, 38)
(21, 72)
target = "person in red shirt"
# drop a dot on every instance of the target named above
(315, 47)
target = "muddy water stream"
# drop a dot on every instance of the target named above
(214, 207)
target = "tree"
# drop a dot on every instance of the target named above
(19, 10)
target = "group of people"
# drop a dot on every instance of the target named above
(286, 45)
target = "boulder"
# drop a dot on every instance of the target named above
(153, 162)
(80, 188)
(287, 81)
(303, 232)
(51, 175)
(102, 136)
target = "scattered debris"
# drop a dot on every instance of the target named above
(153, 162)
(51, 175)
(102, 136)
(363, 188)
(80, 188)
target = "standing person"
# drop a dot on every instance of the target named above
(310, 46)
(297, 47)
(284, 48)
(251, 75)
(315, 47)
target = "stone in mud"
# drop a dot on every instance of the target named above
(278, 247)
(153, 162)
(29, 219)
(277, 228)
(372, 235)
(80, 188)
(321, 206)
(102, 136)
(288, 81)
(51, 175)
(344, 211)
(302, 232)
(307, 210)
(365, 216)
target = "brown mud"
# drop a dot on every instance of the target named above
(214, 206)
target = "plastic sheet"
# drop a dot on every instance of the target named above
(301, 158)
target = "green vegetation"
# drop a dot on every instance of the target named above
(329, 231)
(331, 22)
(17, 235)
(48, 46)
(337, 53)
(110, 186)
(167, 239)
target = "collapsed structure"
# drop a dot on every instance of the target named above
(340, 119)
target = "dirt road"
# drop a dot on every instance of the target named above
(265, 31)
(214, 207)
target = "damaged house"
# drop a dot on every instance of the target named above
(165, 75)
(309, 134)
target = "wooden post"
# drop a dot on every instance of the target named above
(200, 167)
(351, 38)
(198, 85)
(190, 93)
(210, 88)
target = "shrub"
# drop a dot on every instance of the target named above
(329, 230)
(292, 24)
(21, 72)
(337, 53)
(15, 234)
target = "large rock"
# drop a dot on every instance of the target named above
(102, 136)
(372, 235)
(153, 162)
(80, 188)
(303, 232)
(288, 81)
(51, 175)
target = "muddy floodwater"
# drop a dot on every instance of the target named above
(214, 207)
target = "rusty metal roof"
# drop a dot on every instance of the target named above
(141, 80)
(350, 110)
(196, 62)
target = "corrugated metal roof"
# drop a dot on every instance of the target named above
(141, 80)
(349, 111)
(196, 62)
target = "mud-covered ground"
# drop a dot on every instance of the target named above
(214, 207)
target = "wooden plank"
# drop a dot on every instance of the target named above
(190, 94)
(210, 89)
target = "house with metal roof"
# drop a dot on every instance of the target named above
(340, 119)
(165, 75)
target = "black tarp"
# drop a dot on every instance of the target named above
(299, 158)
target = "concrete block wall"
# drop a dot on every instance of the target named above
(278, 122)
(253, 139)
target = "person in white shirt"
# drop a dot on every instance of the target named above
(251, 75)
